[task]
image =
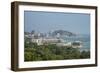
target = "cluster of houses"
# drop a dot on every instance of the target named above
(42, 39)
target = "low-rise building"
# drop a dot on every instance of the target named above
(40, 39)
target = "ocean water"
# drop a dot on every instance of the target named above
(85, 39)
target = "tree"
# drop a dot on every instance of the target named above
(28, 56)
(85, 54)
(34, 52)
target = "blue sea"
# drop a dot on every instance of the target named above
(85, 39)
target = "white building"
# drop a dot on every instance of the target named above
(41, 41)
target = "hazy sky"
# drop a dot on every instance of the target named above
(50, 21)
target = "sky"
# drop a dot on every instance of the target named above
(45, 22)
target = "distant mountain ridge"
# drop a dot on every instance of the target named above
(55, 33)
(63, 33)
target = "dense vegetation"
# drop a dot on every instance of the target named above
(34, 52)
